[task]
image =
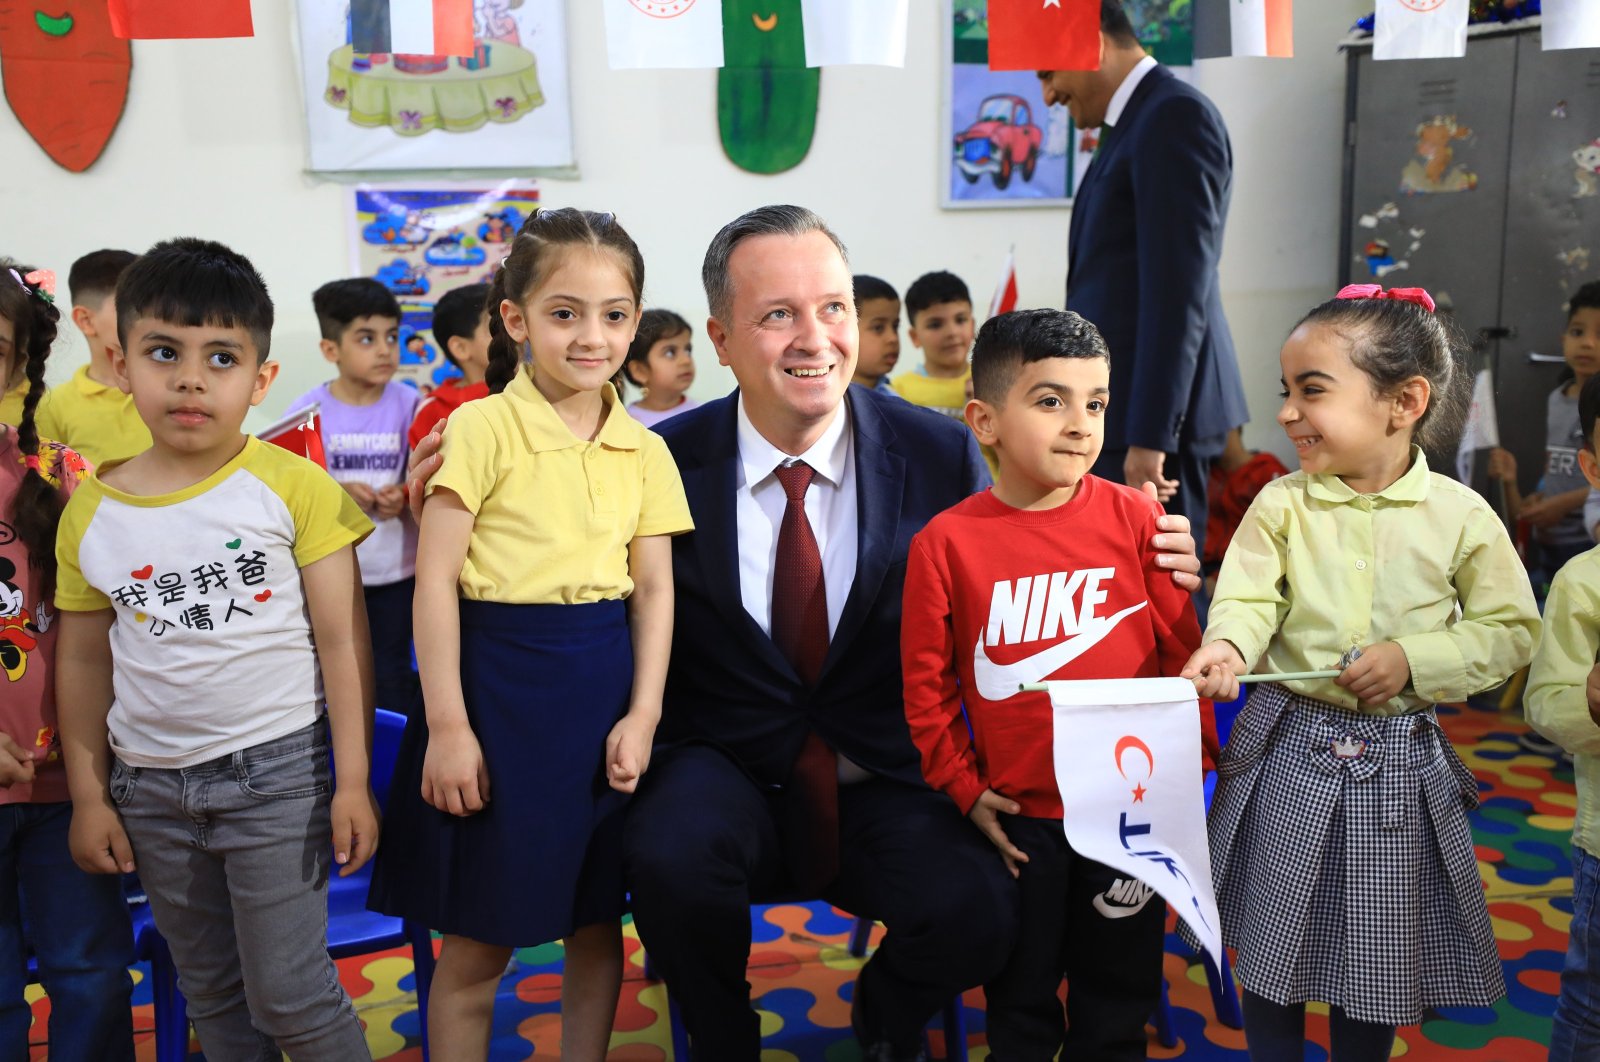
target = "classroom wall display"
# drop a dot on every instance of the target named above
(1469, 177)
(505, 107)
(66, 77)
(766, 95)
(1002, 146)
(422, 239)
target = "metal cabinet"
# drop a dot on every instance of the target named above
(1468, 177)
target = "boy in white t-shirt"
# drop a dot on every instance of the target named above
(210, 603)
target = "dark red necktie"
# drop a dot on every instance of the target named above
(800, 631)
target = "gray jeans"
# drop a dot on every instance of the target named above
(235, 854)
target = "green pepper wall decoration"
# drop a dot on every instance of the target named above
(766, 95)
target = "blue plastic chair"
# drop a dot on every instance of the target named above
(352, 929)
(1224, 993)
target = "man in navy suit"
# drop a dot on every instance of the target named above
(784, 768)
(725, 817)
(1142, 252)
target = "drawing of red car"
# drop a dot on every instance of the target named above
(1002, 139)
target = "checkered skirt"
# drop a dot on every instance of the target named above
(1344, 863)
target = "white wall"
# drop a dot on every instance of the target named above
(212, 144)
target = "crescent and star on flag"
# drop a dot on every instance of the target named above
(1131, 742)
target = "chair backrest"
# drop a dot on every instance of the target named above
(386, 731)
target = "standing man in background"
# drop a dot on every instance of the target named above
(1142, 253)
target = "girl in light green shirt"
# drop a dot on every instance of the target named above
(1341, 854)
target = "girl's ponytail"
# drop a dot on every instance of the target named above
(503, 357)
(36, 509)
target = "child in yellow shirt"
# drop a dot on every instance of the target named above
(92, 412)
(941, 327)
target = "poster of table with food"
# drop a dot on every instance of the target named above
(504, 106)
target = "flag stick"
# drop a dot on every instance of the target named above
(1291, 676)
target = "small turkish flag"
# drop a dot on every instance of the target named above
(1044, 34)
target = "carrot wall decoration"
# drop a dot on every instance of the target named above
(65, 75)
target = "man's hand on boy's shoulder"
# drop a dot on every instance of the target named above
(1592, 692)
(1174, 546)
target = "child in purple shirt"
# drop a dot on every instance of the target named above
(365, 417)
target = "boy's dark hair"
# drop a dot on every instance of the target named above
(195, 282)
(339, 302)
(1392, 340)
(36, 508)
(534, 253)
(654, 326)
(1011, 340)
(1589, 409)
(1585, 298)
(869, 287)
(93, 278)
(1114, 23)
(457, 313)
(931, 289)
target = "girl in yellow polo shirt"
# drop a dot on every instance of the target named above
(1340, 847)
(543, 626)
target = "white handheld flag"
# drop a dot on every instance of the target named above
(1570, 24)
(664, 34)
(859, 32)
(1127, 755)
(1420, 29)
(1483, 427)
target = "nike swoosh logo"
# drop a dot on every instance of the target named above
(996, 682)
(1112, 909)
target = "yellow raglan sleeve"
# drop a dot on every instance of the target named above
(326, 518)
(73, 592)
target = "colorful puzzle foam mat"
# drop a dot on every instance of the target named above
(803, 974)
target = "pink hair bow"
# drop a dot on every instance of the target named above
(40, 282)
(1415, 296)
(44, 280)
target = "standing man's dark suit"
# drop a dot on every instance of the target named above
(704, 832)
(1142, 253)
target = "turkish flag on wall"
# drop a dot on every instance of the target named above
(1044, 34)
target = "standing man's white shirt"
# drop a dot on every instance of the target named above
(1120, 98)
(759, 502)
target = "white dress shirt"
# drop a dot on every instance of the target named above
(830, 507)
(759, 502)
(1119, 98)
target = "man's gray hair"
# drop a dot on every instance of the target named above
(762, 221)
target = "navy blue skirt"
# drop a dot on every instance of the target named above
(544, 685)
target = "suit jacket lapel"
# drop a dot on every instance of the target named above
(880, 491)
(711, 486)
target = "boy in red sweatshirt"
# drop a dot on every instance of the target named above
(1044, 576)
